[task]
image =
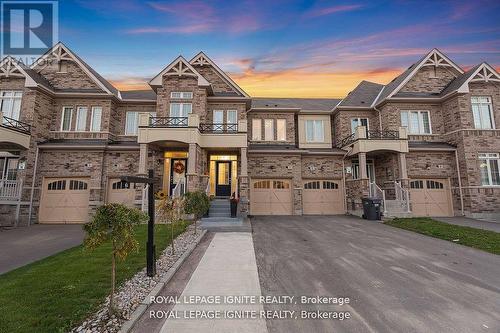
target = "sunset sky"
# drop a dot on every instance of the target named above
(279, 48)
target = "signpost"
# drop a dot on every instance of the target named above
(150, 245)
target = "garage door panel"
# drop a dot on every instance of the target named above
(322, 197)
(271, 197)
(430, 197)
(64, 200)
(120, 191)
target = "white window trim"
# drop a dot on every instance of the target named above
(257, 120)
(488, 157)
(269, 121)
(492, 115)
(181, 105)
(359, 121)
(92, 119)
(78, 118)
(420, 121)
(284, 128)
(182, 93)
(12, 98)
(136, 129)
(70, 118)
(227, 116)
(314, 139)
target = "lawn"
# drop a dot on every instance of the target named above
(59, 292)
(485, 240)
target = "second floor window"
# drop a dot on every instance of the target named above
(315, 131)
(10, 103)
(81, 118)
(489, 167)
(268, 129)
(131, 123)
(181, 94)
(483, 112)
(180, 109)
(232, 116)
(95, 120)
(281, 129)
(256, 129)
(417, 122)
(355, 122)
(67, 116)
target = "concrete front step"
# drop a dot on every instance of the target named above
(226, 224)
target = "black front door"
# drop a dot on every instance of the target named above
(178, 173)
(223, 178)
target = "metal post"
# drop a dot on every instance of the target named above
(150, 246)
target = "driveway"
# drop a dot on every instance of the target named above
(22, 246)
(397, 280)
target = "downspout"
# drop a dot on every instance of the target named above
(33, 179)
(459, 184)
(379, 118)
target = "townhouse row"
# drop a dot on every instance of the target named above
(425, 144)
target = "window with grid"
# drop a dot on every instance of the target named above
(489, 168)
(483, 112)
(417, 122)
(10, 103)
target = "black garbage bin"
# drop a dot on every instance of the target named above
(372, 208)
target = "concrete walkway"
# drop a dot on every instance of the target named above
(228, 268)
(21, 246)
(470, 222)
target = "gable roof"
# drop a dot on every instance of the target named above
(201, 59)
(434, 57)
(180, 67)
(482, 72)
(363, 95)
(11, 67)
(306, 104)
(62, 52)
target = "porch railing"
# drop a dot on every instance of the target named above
(402, 195)
(179, 189)
(376, 192)
(168, 121)
(10, 189)
(15, 125)
(382, 135)
(218, 128)
(347, 140)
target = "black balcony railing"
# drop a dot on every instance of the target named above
(15, 125)
(218, 128)
(168, 122)
(382, 135)
(370, 135)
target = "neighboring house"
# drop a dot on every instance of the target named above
(426, 142)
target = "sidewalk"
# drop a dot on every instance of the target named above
(470, 222)
(227, 268)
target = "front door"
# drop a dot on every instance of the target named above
(223, 178)
(178, 173)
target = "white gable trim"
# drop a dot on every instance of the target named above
(57, 52)
(202, 59)
(180, 67)
(434, 58)
(484, 73)
(10, 68)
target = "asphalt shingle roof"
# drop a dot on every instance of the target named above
(309, 104)
(146, 95)
(363, 95)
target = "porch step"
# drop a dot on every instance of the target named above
(226, 224)
(394, 208)
(219, 208)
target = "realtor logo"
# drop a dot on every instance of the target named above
(29, 28)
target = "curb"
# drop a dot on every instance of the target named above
(143, 306)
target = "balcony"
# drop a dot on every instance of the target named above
(190, 130)
(14, 134)
(365, 141)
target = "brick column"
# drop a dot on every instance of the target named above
(143, 159)
(403, 173)
(243, 185)
(192, 179)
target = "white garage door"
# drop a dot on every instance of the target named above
(120, 191)
(271, 197)
(64, 200)
(430, 197)
(323, 197)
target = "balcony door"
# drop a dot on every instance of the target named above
(223, 178)
(218, 120)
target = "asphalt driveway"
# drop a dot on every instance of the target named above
(397, 280)
(22, 246)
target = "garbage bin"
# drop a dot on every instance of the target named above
(372, 208)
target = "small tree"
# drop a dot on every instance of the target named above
(114, 223)
(169, 210)
(196, 203)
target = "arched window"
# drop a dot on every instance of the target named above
(265, 184)
(312, 185)
(121, 185)
(433, 185)
(77, 185)
(417, 184)
(281, 185)
(57, 185)
(330, 186)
